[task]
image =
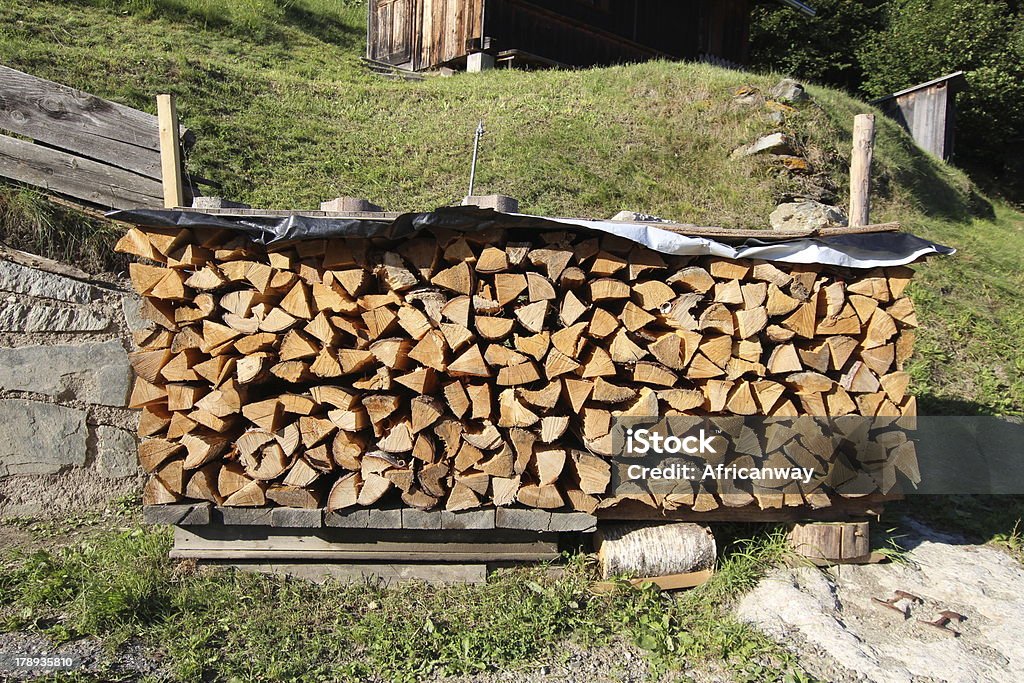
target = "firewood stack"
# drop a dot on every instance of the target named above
(457, 370)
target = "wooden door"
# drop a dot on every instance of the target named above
(390, 36)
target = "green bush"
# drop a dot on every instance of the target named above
(820, 48)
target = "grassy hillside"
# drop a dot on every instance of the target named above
(286, 116)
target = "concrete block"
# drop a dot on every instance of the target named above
(349, 205)
(518, 518)
(479, 61)
(40, 438)
(421, 519)
(93, 373)
(467, 519)
(306, 518)
(498, 202)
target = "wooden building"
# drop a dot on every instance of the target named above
(426, 34)
(928, 112)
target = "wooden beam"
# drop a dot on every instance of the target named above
(81, 123)
(860, 169)
(170, 151)
(84, 179)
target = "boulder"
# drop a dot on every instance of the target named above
(807, 215)
(40, 438)
(788, 90)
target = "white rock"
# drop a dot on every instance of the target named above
(806, 215)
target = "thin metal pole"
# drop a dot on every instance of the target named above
(476, 150)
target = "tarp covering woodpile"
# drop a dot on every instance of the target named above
(463, 359)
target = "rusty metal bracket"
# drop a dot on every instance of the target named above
(942, 622)
(898, 596)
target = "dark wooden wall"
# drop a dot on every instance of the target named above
(423, 34)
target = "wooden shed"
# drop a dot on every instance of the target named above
(426, 34)
(928, 112)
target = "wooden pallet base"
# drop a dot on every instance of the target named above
(237, 543)
(387, 573)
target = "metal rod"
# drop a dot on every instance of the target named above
(476, 150)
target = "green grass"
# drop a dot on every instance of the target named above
(221, 625)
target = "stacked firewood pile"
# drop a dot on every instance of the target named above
(457, 370)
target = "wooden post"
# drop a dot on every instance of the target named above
(833, 542)
(170, 151)
(860, 169)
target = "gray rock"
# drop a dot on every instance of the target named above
(94, 373)
(115, 453)
(15, 317)
(776, 143)
(40, 438)
(788, 90)
(24, 280)
(136, 323)
(808, 215)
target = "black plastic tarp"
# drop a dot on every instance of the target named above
(861, 250)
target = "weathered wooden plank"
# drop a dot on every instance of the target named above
(81, 123)
(445, 573)
(243, 542)
(77, 177)
(182, 514)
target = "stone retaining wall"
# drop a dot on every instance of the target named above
(66, 436)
